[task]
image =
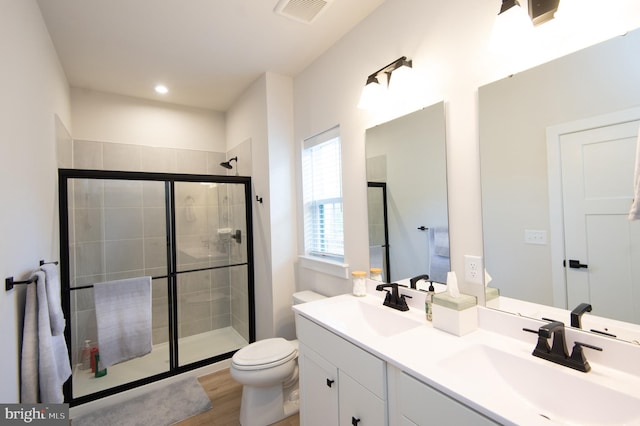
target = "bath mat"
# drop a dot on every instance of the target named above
(164, 406)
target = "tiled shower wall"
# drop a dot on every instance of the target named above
(119, 229)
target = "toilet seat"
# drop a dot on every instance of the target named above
(264, 354)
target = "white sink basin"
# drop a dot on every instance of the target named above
(352, 315)
(548, 391)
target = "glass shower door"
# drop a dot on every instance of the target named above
(191, 234)
(117, 230)
(212, 269)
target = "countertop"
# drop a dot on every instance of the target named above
(446, 362)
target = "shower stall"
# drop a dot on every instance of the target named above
(192, 234)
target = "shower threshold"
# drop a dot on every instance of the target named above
(191, 349)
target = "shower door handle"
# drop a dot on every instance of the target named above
(237, 236)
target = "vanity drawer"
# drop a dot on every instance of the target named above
(422, 405)
(363, 367)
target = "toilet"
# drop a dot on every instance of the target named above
(268, 372)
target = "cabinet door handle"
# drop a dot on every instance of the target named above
(355, 421)
(330, 382)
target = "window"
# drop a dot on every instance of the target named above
(322, 195)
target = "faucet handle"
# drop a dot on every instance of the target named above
(543, 344)
(577, 356)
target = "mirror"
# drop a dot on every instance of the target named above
(539, 129)
(407, 198)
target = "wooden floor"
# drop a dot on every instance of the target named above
(225, 394)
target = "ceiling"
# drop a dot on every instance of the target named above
(207, 52)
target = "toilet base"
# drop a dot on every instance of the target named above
(266, 405)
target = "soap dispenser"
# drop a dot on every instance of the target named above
(428, 301)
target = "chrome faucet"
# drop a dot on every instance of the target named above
(413, 281)
(394, 299)
(558, 353)
(576, 314)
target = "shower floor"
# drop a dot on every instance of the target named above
(190, 349)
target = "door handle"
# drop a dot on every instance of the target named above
(330, 382)
(355, 421)
(575, 264)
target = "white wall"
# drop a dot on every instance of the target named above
(282, 202)
(247, 120)
(105, 117)
(264, 115)
(449, 43)
(33, 88)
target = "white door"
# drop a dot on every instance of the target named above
(597, 183)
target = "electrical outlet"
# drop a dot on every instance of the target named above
(473, 269)
(535, 237)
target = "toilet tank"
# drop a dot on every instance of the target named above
(306, 296)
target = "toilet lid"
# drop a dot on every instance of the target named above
(264, 353)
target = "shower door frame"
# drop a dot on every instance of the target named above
(64, 176)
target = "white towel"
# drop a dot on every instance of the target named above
(438, 268)
(123, 317)
(45, 363)
(29, 358)
(439, 240)
(56, 317)
(634, 213)
(439, 263)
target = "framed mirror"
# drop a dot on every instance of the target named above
(407, 196)
(555, 141)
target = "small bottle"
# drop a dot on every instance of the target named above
(85, 358)
(359, 286)
(94, 351)
(376, 274)
(100, 370)
(428, 302)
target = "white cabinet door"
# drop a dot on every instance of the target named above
(318, 389)
(358, 406)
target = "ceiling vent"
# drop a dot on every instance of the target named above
(301, 10)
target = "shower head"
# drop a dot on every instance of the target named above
(227, 164)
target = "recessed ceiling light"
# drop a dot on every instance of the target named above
(162, 89)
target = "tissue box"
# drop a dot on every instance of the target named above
(492, 297)
(455, 315)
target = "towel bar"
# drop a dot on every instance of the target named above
(10, 282)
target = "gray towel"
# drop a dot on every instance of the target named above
(56, 317)
(29, 358)
(123, 316)
(45, 358)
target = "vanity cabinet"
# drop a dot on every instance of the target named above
(340, 384)
(416, 403)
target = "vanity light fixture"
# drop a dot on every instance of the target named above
(508, 4)
(540, 11)
(374, 92)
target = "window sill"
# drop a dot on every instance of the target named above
(325, 266)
